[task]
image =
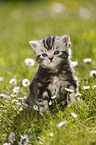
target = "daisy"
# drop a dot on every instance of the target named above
(25, 82)
(11, 137)
(86, 87)
(1, 79)
(74, 115)
(18, 103)
(61, 123)
(51, 134)
(93, 73)
(11, 95)
(84, 13)
(93, 131)
(6, 143)
(13, 81)
(14, 100)
(40, 142)
(29, 61)
(16, 89)
(69, 90)
(35, 107)
(3, 95)
(74, 63)
(78, 94)
(58, 7)
(16, 14)
(50, 103)
(53, 97)
(24, 140)
(94, 86)
(87, 60)
(20, 109)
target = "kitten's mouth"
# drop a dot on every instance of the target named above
(51, 61)
(51, 58)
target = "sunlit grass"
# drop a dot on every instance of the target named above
(21, 22)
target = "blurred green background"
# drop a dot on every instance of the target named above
(22, 21)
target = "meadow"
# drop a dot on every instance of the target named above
(21, 22)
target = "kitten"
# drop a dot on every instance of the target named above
(54, 75)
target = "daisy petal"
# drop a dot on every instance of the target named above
(16, 89)
(61, 123)
(25, 82)
(87, 60)
(74, 115)
(29, 62)
(13, 81)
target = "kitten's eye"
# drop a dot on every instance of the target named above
(56, 52)
(44, 54)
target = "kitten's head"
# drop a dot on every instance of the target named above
(52, 50)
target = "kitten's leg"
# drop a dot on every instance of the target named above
(72, 95)
(43, 102)
(29, 101)
(34, 91)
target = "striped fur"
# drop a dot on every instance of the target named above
(48, 42)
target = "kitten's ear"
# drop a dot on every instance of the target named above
(66, 40)
(34, 44)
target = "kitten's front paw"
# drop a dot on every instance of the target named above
(43, 107)
(72, 98)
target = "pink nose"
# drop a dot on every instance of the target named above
(50, 58)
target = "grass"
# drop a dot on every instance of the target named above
(21, 22)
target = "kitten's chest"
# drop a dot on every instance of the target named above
(57, 85)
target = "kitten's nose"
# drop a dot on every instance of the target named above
(50, 58)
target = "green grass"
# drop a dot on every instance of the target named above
(21, 22)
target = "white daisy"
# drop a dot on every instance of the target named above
(13, 81)
(58, 8)
(61, 123)
(18, 103)
(14, 100)
(16, 89)
(53, 97)
(24, 140)
(94, 86)
(1, 79)
(16, 14)
(11, 137)
(20, 109)
(25, 82)
(11, 95)
(29, 61)
(74, 115)
(6, 143)
(35, 107)
(86, 87)
(78, 94)
(3, 95)
(51, 134)
(50, 103)
(84, 13)
(74, 63)
(69, 90)
(87, 60)
(40, 142)
(93, 73)
(93, 131)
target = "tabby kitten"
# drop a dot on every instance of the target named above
(54, 75)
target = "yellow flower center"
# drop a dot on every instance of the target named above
(11, 137)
